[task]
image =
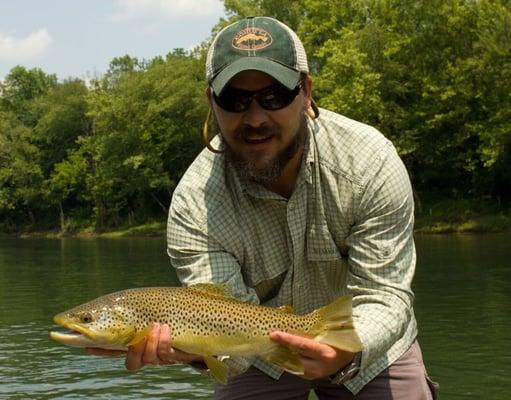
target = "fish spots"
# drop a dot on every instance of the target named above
(196, 317)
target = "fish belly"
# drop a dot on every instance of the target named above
(223, 345)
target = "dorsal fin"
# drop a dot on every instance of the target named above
(213, 289)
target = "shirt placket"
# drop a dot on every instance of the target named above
(296, 220)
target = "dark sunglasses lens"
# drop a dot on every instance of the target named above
(276, 97)
(234, 100)
(272, 98)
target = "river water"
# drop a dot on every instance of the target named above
(463, 305)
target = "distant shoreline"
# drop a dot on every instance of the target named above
(494, 223)
(429, 224)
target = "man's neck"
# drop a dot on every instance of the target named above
(284, 185)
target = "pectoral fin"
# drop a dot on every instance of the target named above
(140, 335)
(217, 368)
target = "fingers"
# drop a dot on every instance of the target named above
(134, 356)
(150, 354)
(170, 355)
(145, 352)
(305, 347)
(163, 349)
(156, 349)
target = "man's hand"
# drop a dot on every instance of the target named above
(319, 360)
(156, 349)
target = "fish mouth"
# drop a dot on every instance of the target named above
(80, 336)
(74, 328)
(77, 339)
(75, 336)
(72, 338)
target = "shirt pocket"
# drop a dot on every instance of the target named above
(321, 246)
(327, 261)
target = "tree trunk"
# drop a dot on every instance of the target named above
(165, 210)
(31, 217)
(62, 218)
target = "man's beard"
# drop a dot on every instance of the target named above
(271, 170)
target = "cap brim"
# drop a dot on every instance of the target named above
(285, 75)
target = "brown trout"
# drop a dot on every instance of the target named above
(205, 319)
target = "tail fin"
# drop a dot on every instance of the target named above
(336, 325)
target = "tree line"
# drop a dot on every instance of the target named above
(433, 75)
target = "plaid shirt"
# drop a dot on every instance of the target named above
(346, 229)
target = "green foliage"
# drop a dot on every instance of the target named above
(20, 87)
(288, 11)
(113, 151)
(61, 119)
(434, 76)
(145, 134)
(20, 172)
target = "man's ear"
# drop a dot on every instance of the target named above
(310, 107)
(307, 88)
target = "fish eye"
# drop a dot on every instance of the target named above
(86, 318)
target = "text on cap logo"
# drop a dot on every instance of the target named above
(251, 39)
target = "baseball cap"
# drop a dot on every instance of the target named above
(256, 43)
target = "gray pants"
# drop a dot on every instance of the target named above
(405, 379)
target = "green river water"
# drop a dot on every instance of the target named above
(463, 305)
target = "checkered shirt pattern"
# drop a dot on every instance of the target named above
(346, 229)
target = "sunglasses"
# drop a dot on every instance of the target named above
(271, 98)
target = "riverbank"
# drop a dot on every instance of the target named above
(424, 224)
(433, 215)
(153, 229)
(475, 224)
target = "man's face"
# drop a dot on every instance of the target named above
(260, 142)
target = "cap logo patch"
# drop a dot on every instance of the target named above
(251, 39)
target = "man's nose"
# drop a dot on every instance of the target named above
(255, 115)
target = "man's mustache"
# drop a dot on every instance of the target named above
(245, 131)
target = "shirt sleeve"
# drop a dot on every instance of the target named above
(382, 255)
(197, 255)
